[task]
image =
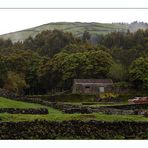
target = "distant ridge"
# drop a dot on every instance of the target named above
(77, 28)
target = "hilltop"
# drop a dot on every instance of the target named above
(77, 28)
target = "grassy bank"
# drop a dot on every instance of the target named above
(56, 115)
(64, 117)
(8, 103)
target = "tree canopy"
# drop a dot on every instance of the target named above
(53, 58)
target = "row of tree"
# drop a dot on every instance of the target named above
(53, 59)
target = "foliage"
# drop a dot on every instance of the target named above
(15, 82)
(117, 72)
(65, 117)
(124, 57)
(139, 73)
(3, 71)
(48, 42)
(121, 85)
(64, 67)
(86, 36)
(24, 63)
(52, 59)
(108, 95)
(83, 47)
(126, 40)
(5, 43)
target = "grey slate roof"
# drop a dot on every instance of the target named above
(108, 81)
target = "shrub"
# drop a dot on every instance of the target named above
(108, 95)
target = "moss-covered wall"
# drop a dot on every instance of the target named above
(24, 110)
(66, 98)
(73, 130)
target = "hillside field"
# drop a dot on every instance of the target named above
(76, 28)
(57, 115)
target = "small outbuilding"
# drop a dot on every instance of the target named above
(91, 86)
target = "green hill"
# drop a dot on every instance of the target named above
(77, 28)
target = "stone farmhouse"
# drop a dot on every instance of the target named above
(91, 86)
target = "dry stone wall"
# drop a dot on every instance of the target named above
(73, 130)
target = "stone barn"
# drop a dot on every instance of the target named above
(91, 86)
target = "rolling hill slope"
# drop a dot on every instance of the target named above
(77, 28)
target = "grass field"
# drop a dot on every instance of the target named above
(56, 115)
(62, 117)
(8, 103)
(76, 28)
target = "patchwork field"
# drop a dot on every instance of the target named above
(57, 115)
(76, 28)
(57, 124)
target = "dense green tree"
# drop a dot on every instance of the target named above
(49, 72)
(26, 63)
(15, 83)
(126, 40)
(139, 73)
(92, 64)
(63, 67)
(5, 43)
(29, 43)
(83, 47)
(52, 59)
(117, 72)
(124, 57)
(3, 71)
(86, 36)
(48, 43)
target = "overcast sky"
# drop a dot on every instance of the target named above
(17, 19)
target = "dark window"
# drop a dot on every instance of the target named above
(87, 86)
